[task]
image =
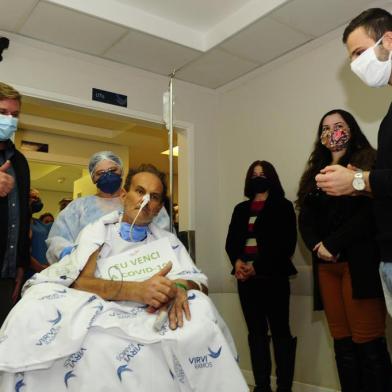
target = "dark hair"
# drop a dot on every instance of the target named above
(276, 189)
(46, 214)
(359, 152)
(375, 21)
(147, 168)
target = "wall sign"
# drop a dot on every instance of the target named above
(109, 97)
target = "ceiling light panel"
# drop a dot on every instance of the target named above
(200, 15)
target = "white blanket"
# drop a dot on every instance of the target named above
(61, 339)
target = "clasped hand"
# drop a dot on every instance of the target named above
(158, 292)
(243, 271)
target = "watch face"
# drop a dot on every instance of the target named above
(359, 184)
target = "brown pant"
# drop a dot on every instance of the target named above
(362, 319)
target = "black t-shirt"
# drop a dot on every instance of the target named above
(381, 183)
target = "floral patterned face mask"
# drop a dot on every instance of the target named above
(335, 139)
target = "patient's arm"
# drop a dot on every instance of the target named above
(156, 291)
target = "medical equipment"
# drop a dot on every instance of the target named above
(168, 119)
(145, 200)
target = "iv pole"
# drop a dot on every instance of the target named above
(169, 126)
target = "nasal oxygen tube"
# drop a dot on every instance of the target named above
(145, 200)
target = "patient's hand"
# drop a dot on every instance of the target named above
(155, 292)
(158, 290)
(180, 306)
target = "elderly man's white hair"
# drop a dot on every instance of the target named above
(103, 156)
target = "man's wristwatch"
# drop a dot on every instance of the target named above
(358, 181)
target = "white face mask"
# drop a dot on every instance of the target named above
(370, 69)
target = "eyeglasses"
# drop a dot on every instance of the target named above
(109, 170)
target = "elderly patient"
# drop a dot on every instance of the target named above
(91, 321)
(106, 171)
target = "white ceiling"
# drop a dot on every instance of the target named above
(209, 42)
(198, 15)
(57, 178)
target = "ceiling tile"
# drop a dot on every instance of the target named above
(264, 41)
(318, 17)
(215, 68)
(150, 53)
(13, 13)
(70, 29)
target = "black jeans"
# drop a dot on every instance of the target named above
(265, 303)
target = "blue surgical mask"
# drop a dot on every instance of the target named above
(8, 126)
(109, 182)
(139, 233)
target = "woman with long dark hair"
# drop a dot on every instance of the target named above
(340, 233)
(260, 242)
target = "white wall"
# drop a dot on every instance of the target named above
(273, 114)
(83, 186)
